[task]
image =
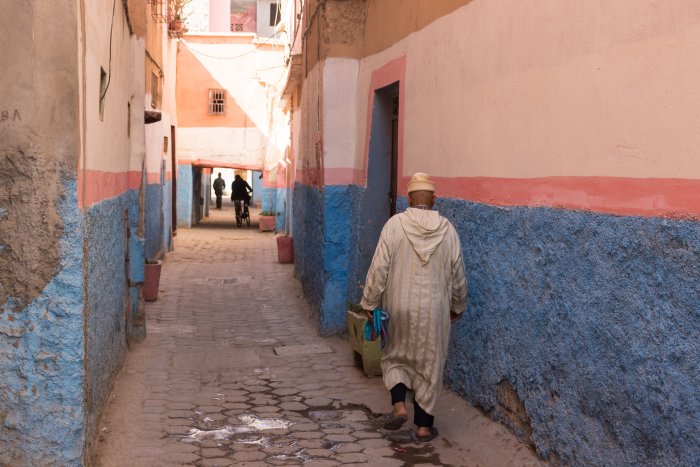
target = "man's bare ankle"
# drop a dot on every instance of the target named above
(400, 410)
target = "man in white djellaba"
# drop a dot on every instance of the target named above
(417, 276)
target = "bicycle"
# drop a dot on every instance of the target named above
(242, 213)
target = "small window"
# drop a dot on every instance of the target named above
(274, 14)
(217, 102)
(236, 27)
(103, 91)
(155, 90)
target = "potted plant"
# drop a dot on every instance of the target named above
(267, 221)
(178, 15)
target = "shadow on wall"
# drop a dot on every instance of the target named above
(193, 85)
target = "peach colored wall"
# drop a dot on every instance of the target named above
(593, 88)
(542, 89)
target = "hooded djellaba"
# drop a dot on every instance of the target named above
(417, 276)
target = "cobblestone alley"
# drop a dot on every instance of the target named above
(232, 373)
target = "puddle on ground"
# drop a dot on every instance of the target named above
(422, 455)
(300, 455)
(251, 424)
(264, 423)
(324, 415)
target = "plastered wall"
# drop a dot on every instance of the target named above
(40, 238)
(547, 115)
(560, 137)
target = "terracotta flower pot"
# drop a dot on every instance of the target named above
(151, 281)
(285, 249)
(267, 223)
(176, 25)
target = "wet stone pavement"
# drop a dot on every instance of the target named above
(233, 373)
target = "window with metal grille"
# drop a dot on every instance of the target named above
(217, 102)
(237, 27)
(274, 14)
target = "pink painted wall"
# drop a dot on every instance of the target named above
(219, 12)
(585, 105)
(244, 16)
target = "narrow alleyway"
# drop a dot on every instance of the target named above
(233, 373)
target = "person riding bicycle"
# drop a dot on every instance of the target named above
(239, 192)
(240, 189)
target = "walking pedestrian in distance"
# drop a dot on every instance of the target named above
(417, 276)
(219, 185)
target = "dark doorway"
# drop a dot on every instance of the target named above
(379, 202)
(197, 200)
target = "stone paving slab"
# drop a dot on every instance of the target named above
(299, 350)
(233, 373)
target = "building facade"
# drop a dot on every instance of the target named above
(74, 175)
(561, 137)
(228, 90)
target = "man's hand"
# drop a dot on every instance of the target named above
(455, 316)
(370, 315)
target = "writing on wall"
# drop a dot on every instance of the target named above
(10, 115)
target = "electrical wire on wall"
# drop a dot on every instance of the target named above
(109, 72)
(257, 46)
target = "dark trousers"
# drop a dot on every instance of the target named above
(218, 200)
(420, 416)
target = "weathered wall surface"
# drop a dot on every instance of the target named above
(115, 262)
(41, 249)
(308, 236)
(184, 195)
(111, 176)
(593, 320)
(42, 358)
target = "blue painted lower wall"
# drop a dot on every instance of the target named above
(158, 219)
(280, 207)
(308, 240)
(41, 360)
(257, 187)
(153, 220)
(328, 274)
(589, 323)
(111, 231)
(167, 232)
(184, 195)
(594, 320)
(269, 199)
(275, 200)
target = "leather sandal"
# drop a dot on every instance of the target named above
(424, 439)
(395, 423)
